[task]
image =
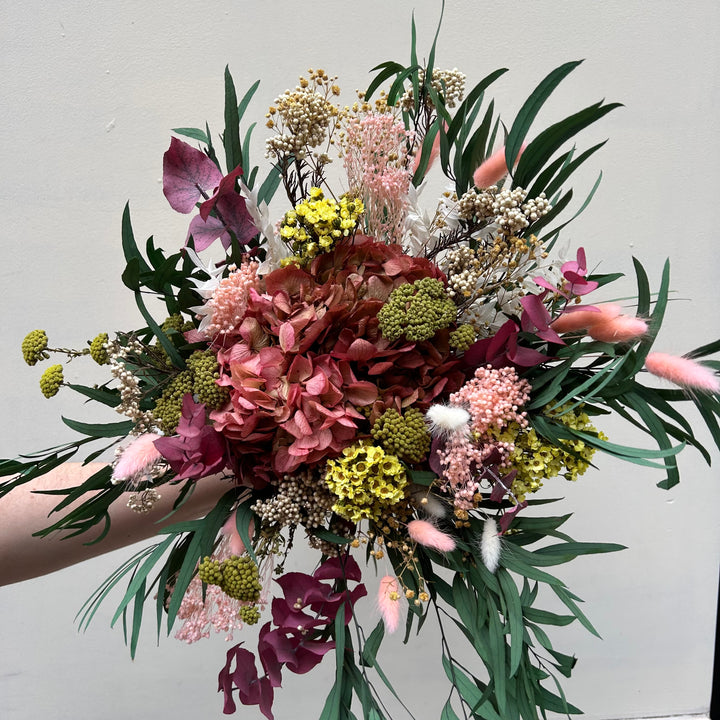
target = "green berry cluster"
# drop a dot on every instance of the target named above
(177, 323)
(51, 380)
(34, 346)
(417, 310)
(97, 349)
(205, 369)
(168, 408)
(210, 571)
(249, 614)
(237, 577)
(199, 379)
(173, 324)
(403, 435)
(462, 338)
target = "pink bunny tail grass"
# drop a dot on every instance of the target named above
(573, 321)
(425, 533)
(682, 371)
(620, 329)
(137, 457)
(235, 544)
(388, 601)
(493, 169)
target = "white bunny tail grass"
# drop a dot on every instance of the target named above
(446, 419)
(490, 545)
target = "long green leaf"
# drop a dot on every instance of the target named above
(100, 430)
(545, 617)
(514, 618)
(137, 583)
(231, 136)
(200, 545)
(246, 98)
(568, 599)
(244, 516)
(372, 645)
(163, 339)
(111, 398)
(194, 133)
(387, 70)
(129, 246)
(544, 146)
(530, 109)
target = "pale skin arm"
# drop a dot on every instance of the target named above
(23, 512)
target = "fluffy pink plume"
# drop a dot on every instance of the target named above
(136, 458)
(389, 603)
(425, 533)
(574, 320)
(494, 168)
(620, 329)
(682, 371)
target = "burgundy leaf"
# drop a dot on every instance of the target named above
(237, 219)
(187, 174)
(509, 516)
(205, 233)
(226, 186)
(341, 566)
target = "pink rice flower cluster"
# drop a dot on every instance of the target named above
(376, 162)
(461, 458)
(224, 310)
(493, 398)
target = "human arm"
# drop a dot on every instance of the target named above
(24, 511)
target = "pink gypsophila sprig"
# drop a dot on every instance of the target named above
(377, 167)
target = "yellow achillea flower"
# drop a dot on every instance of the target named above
(317, 223)
(366, 480)
(536, 460)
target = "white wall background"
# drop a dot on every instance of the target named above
(89, 93)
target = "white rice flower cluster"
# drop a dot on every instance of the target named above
(301, 118)
(477, 205)
(130, 393)
(449, 84)
(464, 271)
(513, 214)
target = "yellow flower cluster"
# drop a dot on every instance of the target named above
(317, 223)
(535, 459)
(366, 480)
